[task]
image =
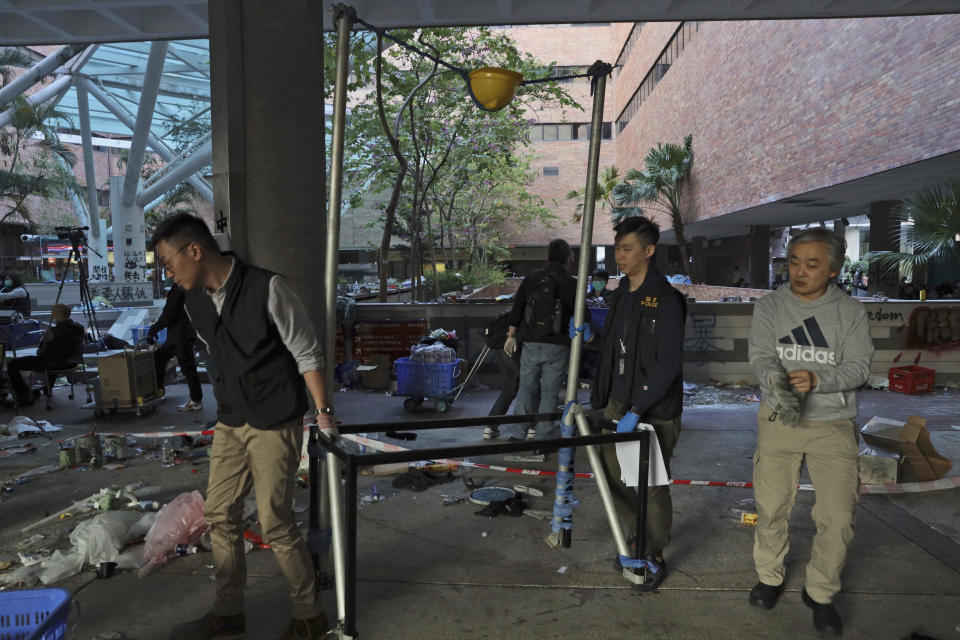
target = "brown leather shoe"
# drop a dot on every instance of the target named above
(309, 629)
(209, 627)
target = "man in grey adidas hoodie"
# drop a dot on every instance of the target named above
(810, 348)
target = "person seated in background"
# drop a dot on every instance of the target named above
(598, 286)
(180, 342)
(60, 348)
(14, 296)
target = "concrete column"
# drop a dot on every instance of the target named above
(266, 85)
(97, 267)
(698, 270)
(130, 281)
(882, 239)
(759, 273)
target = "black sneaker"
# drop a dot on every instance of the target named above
(651, 578)
(764, 595)
(309, 629)
(210, 626)
(825, 616)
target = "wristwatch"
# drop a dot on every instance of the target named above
(327, 411)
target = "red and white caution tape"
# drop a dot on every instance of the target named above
(873, 489)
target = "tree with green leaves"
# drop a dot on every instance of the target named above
(934, 237)
(30, 166)
(659, 183)
(603, 196)
(415, 131)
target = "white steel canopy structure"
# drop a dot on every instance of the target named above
(32, 22)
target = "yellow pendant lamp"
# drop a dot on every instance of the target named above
(493, 88)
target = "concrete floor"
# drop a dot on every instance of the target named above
(428, 570)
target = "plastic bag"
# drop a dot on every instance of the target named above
(179, 522)
(94, 541)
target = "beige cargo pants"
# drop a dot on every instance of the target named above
(830, 450)
(266, 461)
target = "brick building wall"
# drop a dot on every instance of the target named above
(779, 108)
(567, 45)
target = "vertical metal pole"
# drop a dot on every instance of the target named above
(579, 313)
(350, 593)
(643, 472)
(586, 230)
(343, 20)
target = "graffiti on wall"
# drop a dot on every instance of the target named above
(934, 328)
(704, 342)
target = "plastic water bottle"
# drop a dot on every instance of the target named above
(166, 453)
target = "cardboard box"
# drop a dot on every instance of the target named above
(126, 376)
(920, 461)
(375, 374)
(879, 466)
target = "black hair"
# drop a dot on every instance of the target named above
(185, 228)
(646, 229)
(14, 278)
(600, 274)
(558, 251)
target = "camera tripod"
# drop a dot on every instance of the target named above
(77, 239)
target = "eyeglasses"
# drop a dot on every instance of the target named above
(165, 262)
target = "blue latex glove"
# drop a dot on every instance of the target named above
(566, 410)
(585, 328)
(628, 422)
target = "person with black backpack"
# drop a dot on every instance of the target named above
(509, 365)
(541, 312)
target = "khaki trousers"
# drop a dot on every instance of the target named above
(265, 460)
(659, 502)
(830, 450)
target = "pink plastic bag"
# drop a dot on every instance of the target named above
(178, 522)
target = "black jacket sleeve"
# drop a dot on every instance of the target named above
(669, 356)
(172, 310)
(519, 304)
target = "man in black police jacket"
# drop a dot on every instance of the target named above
(640, 375)
(267, 357)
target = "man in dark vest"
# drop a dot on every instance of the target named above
(268, 357)
(640, 376)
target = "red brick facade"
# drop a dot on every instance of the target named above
(776, 108)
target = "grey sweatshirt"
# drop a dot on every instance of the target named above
(829, 336)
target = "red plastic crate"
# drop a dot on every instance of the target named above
(912, 379)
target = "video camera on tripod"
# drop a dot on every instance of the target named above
(75, 235)
(77, 239)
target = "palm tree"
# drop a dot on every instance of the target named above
(609, 178)
(667, 166)
(12, 57)
(47, 174)
(935, 238)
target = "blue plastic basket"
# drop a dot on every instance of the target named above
(426, 379)
(34, 614)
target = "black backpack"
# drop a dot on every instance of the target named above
(543, 315)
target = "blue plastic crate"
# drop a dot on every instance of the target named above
(426, 379)
(34, 614)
